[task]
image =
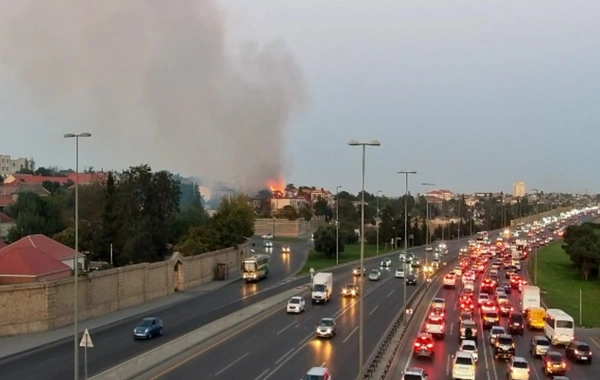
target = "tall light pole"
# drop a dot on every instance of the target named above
(377, 220)
(337, 224)
(406, 174)
(459, 216)
(428, 237)
(76, 258)
(361, 304)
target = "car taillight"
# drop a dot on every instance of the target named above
(563, 364)
(417, 344)
(429, 345)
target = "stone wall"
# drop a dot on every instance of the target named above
(286, 228)
(41, 306)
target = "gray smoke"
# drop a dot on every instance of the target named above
(155, 81)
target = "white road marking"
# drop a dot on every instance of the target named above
(262, 374)
(286, 354)
(451, 327)
(448, 360)
(392, 292)
(349, 335)
(372, 311)
(285, 328)
(231, 364)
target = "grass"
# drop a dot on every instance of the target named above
(284, 239)
(560, 283)
(351, 252)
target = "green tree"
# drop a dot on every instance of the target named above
(325, 241)
(322, 208)
(110, 219)
(289, 212)
(234, 221)
(35, 215)
(24, 171)
(348, 213)
(305, 212)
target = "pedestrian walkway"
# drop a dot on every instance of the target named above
(12, 345)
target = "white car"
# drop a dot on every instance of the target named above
(317, 373)
(517, 368)
(267, 236)
(296, 305)
(463, 366)
(457, 271)
(495, 332)
(469, 285)
(386, 263)
(375, 275)
(471, 347)
(436, 327)
(449, 281)
(402, 257)
(502, 297)
(482, 298)
(268, 244)
(399, 273)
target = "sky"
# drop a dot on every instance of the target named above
(473, 95)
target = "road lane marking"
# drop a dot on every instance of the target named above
(392, 292)
(448, 359)
(349, 335)
(372, 311)
(286, 354)
(285, 328)
(451, 327)
(262, 374)
(231, 364)
(594, 340)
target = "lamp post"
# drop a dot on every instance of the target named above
(406, 174)
(337, 224)
(76, 258)
(377, 220)
(361, 361)
(428, 237)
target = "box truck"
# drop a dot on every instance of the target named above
(322, 287)
(530, 298)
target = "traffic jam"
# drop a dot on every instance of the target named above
(487, 321)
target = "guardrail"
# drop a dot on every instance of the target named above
(395, 334)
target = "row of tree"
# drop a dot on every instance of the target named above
(138, 215)
(582, 244)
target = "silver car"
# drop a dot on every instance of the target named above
(495, 332)
(326, 328)
(375, 275)
(539, 345)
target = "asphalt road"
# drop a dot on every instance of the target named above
(440, 367)
(285, 346)
(114, 344)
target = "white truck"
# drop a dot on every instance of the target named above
(322, 287)
(530, 298)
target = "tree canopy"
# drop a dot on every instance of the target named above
(582, 244)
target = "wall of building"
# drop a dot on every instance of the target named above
(41, 306)
(286, 228)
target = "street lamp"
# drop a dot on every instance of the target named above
(377, 220)
(406, 173)
(337, 224)
(361, 307)
(76, 258)
(428, 237)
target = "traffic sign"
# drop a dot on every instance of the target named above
(86, 340)
(312, 270)
(409, 311)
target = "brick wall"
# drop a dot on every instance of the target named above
(42, 306)
(287, 228)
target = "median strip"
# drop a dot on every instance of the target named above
(150, 359)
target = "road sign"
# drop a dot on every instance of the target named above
(409, 311)
(86, 340)
(312, 270)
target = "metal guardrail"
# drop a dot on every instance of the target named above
(390, 338)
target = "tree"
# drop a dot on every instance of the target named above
(289, 212)
(322, 208)
(305, 212)
(110, 221)
(325, 241)
(582, 244)
(35, 215)
(24, 171)
(234, 221)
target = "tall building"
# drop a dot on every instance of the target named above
(10, 165)
(519, 189)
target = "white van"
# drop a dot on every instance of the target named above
(559, 327)
(463, 366)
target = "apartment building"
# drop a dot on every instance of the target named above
(9, 165)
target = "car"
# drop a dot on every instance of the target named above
(467, 293)
(504, 347)
(490, 319)
(296, 305)
(467, 304)
(465, 326)
(435, 326)
(350, 290)
(553, 363)
(411, 279)
(268, 244)
(374, 275)
(463, 250)
(495, 332)
(539, 345)
(506, 286)
(435, 263)
(469, 286)
(285, 249)
(463, 366)
(414, 373)
(357, 271)
(415, 263)
(488, 286)
(517, 368)
(386, 263)
(428, 248)
(579, 351)
(457, 271)
(464, 316)
(488, 306)
(505, 308)
(267, 236)
(470, 346)
(516, 323)
(399, 273)
(317, 373)
(410, 257)
(424, 345)
(502, 298)
(514, 281)
(499, 292)
(326, 328)
(449, 281)
(522, 284)
(483, 297)
(148, 328)
(438, 302)
(402, 257)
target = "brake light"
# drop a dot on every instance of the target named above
(563, 364)
(417, 344)
(429, 345)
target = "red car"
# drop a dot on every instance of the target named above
(423, 345)
(467, 305)
(488, 286)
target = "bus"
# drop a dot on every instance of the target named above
(559, 327)
(255, 268)
(481, 236)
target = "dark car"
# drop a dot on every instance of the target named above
(554, 363)
(148, 328)
(504, 347)
(579, 352)
(516, 323)
(507, 287)
(411, 279)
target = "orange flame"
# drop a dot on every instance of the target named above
(276, 185)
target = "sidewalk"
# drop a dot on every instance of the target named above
(12, 345)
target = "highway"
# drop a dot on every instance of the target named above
(114, 344)
(487, 368)
(285, 346)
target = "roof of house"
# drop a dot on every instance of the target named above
(72, 177)
(29, 261)
(5, 218)
(49, 246)
(36, 188)
(5, 200)
(2, 244)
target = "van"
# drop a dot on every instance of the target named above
(516, 323)
(535, 318)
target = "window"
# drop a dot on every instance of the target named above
(520, 364)
(542, 342)
(413, 377)
(462, 360)
(564, 324)
(505, 341)
(583, 347)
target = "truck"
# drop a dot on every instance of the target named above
(322, 287)
(530, 298)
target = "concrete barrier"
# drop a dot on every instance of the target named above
(148, 360)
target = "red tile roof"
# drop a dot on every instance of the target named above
(5, 218)
(5, 200)
(2, 244)
(30, 178)
(30, 262)
(49, 246)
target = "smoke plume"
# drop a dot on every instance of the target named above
(155, 82)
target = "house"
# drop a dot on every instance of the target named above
(2, 244)
(5, 201)
(443, 194)
(5, 224)
(280, 203)
(22, 264)
(82, 178)
(54, 249)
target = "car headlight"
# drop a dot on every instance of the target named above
(146, 330)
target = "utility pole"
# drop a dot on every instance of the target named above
(377, 220)
(406, 174)
(337, 224)
(428, 237)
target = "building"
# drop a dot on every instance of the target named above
(9, 165)
(28, 264)
(50, 247)
(280, 203)
(519, 189)
(216, 192)
(6, 223)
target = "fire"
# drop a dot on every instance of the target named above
(276, 185)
